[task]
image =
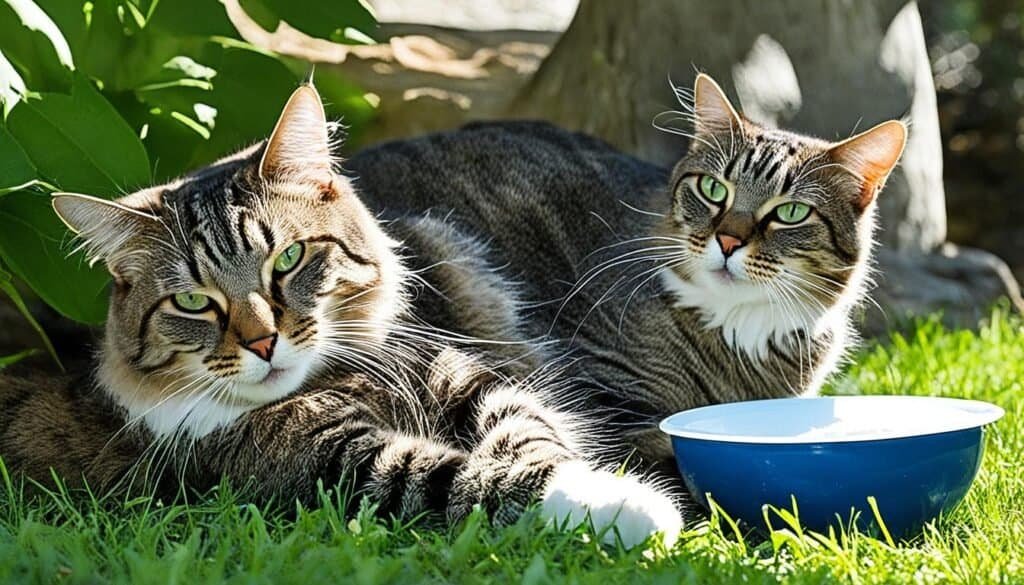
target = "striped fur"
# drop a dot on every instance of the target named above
(469, 438)
(361, 381)
(616, 262)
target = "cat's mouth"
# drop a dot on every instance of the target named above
(727, 275)
(274, 375)
(724, 275)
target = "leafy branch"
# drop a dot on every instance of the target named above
(107, 96)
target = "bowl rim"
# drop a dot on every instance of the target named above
(981, 414)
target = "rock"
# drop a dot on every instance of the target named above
(958, 282)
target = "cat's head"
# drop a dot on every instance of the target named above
(233, 284)
(775, 229)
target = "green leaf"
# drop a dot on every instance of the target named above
(107, 44)
(16, 170)
(326, 19)
(80, 143)
(261, 13)
(206, 18)
(190, 126)
(33, 18)
(7, 287)
(36, 50)
(12, 86)
(125, 43)
(33, 244)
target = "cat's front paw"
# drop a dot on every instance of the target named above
(623, 504)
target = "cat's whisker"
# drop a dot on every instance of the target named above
(614, 287)
(640, 211)
(163, 444)
(192, 379)
(432, 335)
(183, 436)
(633, 240)
(843, 286)
(790, 305)
(627, 258)
(650, 275)
(796, 294)
(811, 287)
(342, 304)
(395, 380)
(774, 300)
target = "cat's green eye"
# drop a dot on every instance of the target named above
(791, 213)
(191, 302)
(712, 189)
(289, 259)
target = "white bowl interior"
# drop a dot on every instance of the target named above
(830, 419)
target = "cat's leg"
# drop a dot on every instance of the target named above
(339, 435)
(524, 450)
(520, 451)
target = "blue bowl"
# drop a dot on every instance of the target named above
(917, 456)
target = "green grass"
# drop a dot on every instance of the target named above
(72, 539)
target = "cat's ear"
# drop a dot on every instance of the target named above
(104, 227)
(713, 112)
(300, 144)
(871, 156)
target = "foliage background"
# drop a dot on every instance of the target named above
(136, 92)
(977, 53)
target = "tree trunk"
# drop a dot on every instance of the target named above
(824, 68)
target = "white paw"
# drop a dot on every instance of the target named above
(623, 504)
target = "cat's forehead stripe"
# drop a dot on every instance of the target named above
(762, 162)
(214, 212)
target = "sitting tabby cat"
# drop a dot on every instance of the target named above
(731, 277)
(262, 328)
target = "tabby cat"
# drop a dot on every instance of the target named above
(264, 327)
(730, 277)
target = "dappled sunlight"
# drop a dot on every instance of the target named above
(767, 84)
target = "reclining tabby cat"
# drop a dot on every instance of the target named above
(263, 327)
(732, 277)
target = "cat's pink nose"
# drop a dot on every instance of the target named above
(263, 347)
(728, 243)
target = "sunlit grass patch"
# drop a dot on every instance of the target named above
(65, 538)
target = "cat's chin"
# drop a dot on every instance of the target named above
(220, 410)
(723, 276)
(200, 415)
(193, 413)
(743, 310)
(277, 383)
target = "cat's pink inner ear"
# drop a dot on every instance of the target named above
(714, 113)
(871, 156)
(299, 145)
